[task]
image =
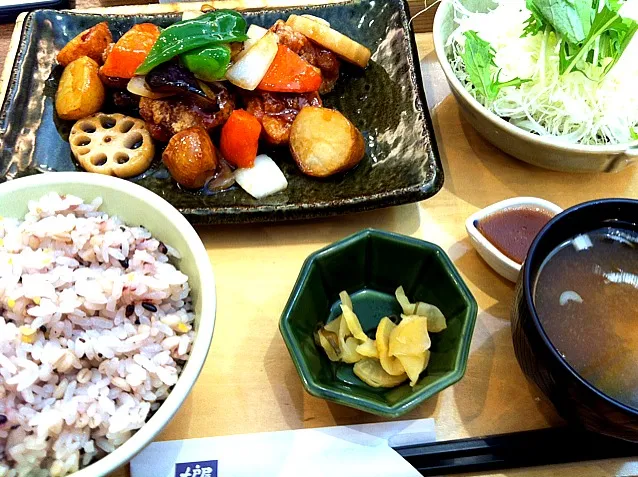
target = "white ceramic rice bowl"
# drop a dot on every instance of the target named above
(135, 205)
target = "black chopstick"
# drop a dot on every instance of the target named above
(514, 450)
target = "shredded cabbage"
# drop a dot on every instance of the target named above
(571, 107)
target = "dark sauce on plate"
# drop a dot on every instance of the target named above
(512, 231)
(586, 298)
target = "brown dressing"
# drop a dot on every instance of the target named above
(512, 231)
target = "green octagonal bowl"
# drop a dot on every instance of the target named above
(370, 265)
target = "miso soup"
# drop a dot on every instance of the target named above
(586, 297)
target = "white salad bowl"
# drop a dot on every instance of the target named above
(545, 152)
(135, 205)
(503, 265)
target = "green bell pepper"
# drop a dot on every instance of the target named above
(216, 27)
(208, 63)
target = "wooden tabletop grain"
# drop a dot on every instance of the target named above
(5, 36)
(249, 384)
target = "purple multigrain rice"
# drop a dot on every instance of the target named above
(77, 357)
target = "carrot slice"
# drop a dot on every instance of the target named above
(240, 138)
(130, 51)
(289, 73)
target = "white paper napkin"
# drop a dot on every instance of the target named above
(362, 450)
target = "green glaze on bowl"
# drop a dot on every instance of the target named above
(370, 265)
(135, 205)
(385, 101)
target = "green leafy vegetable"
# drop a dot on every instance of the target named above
(536, 22)
(593, 34)
(571, 18)
(610, 32)
(633, 133)
(478, 56)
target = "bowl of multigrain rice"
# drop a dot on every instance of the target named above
(107, 310)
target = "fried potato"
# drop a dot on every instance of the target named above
(92, 43)
(80, 91)
(190, 157)
(323, 142)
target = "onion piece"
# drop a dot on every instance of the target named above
(263, 179)
(254, 33)
(222, 180)
(624, 278)
(210, 94)
(582, 242)
(251, 68)
(568, 296)
(137, 85)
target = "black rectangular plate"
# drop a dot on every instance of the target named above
(385, 101)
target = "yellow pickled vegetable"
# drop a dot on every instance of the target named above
(333, 326)
(349, 351)
(353, 323)
(413, 366)
(390, 364)
(368, 349)
(343, 332)
(408, 308)
(345, 299)
(436, 319)
(369, 371)
(410, 337)
(329, 341)
(398, 353)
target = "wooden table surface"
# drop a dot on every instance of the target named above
(249, 383)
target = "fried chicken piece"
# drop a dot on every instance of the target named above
(168, 116)
(314, 54)
(277, 111)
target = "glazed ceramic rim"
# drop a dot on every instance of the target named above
(306, 208)
(629, 148)
(205, 328)
(507, 204)
(529, 299)
(345, 399)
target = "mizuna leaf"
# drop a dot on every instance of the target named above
(478, 56)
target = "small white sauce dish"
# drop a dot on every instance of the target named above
(503, 265)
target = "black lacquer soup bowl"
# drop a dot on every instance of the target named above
(576, 399)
